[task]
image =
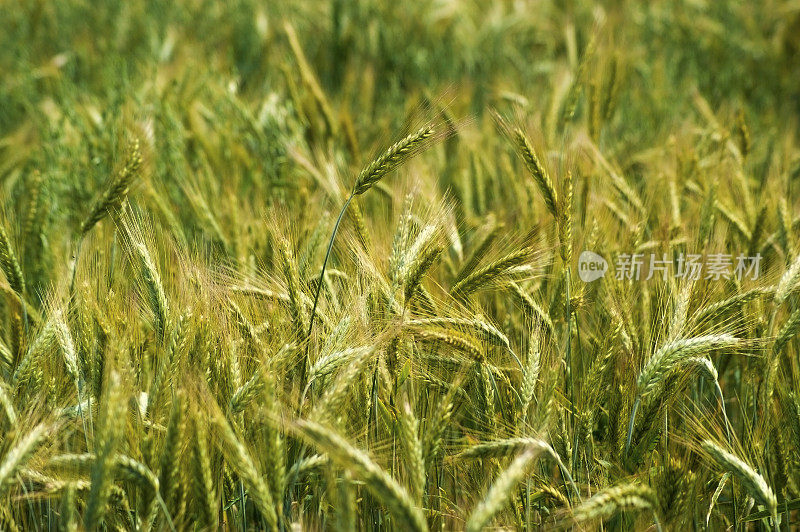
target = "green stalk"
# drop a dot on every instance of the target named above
(324, 265)
(568, 369)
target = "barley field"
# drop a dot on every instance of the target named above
(405, 266)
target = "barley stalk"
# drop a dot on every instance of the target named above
(666, 359)
(480, 250)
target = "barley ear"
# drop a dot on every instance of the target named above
(565, 221)
(540, 175)
(289, 266)
(172, 452)
(609, 501)
(788, 282)
(115, 195)
(417, 270)
(750, 479)
(110, 428)
(502, 489)
(743, 135)
(667, 358)
(376, 480)
(9, 263)
(412, 451)
(530, 376)
(396, 155)
(203, 491)
(490, 273)
(16, 457)
(156, 297)
(242, 462)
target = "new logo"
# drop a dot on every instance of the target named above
(591, 266)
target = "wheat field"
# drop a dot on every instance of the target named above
(427, 265)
